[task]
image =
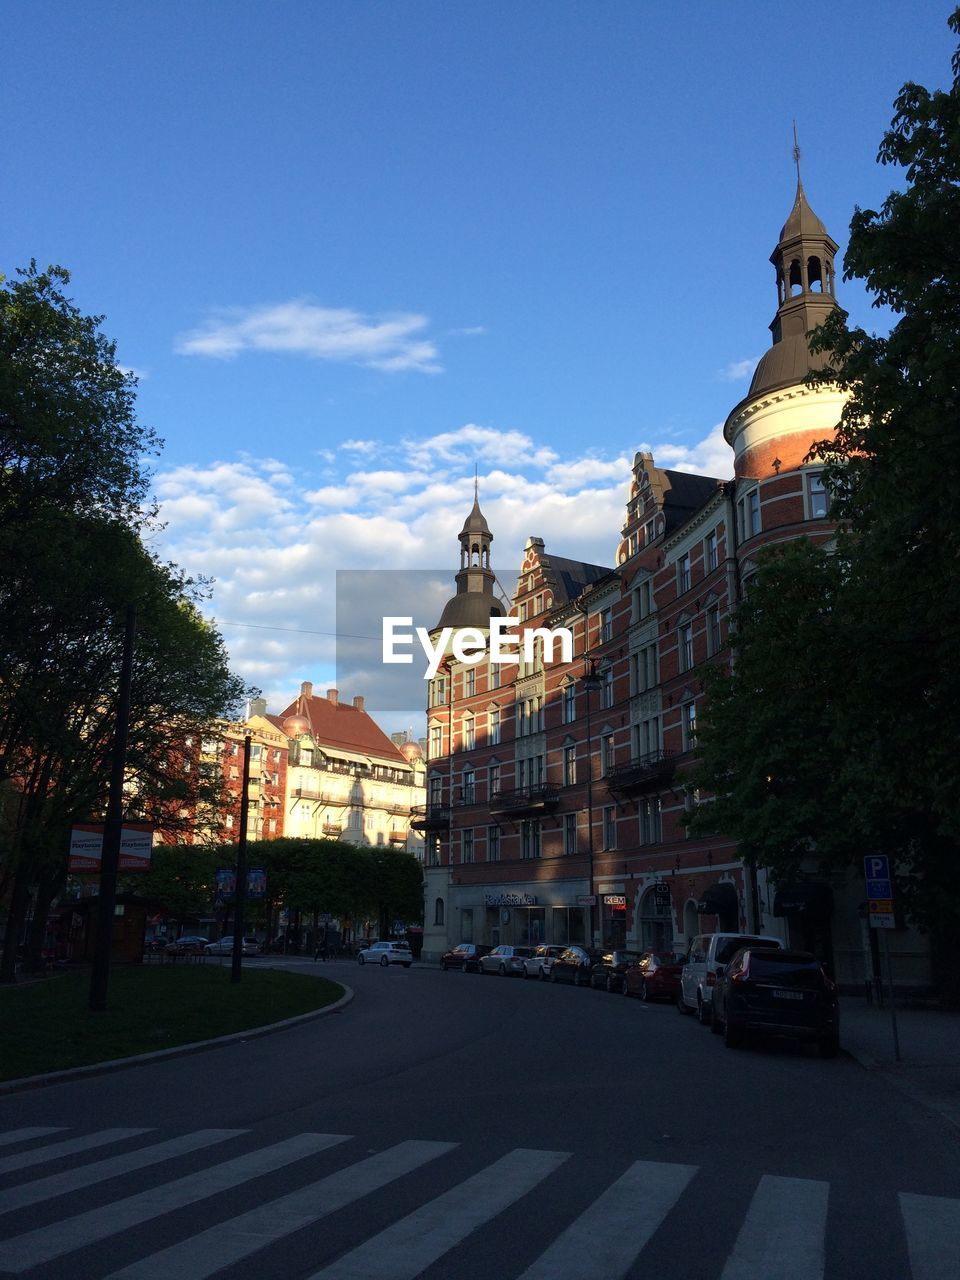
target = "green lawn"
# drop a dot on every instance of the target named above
(46, 1025)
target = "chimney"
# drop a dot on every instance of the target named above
(358, 702)
(306, 689)
(258, 706)
(333, 695)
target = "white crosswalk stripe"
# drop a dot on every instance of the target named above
(783, 1234)
(411, 1245)
(87, 1175)
(33, 1247)
(25, 1135)
(604, 1240)
(932, 1224)
(71, 1147)
(203, 1254)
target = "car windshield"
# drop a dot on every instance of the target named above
(727, 948)
(785, 971)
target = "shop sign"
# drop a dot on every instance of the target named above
(586, 900)
(614, 900)
(510, 899)
(612, 888)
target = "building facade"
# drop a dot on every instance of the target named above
(556, 790)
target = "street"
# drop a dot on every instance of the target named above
(451, 1125)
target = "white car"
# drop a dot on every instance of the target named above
(505, 960)
(387, 953)
(706, 960)
(539, 964)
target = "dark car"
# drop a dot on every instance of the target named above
(465, 956)
(574, 965)
(609, 970)
(655, 976)
(784, 993)
(188, 945)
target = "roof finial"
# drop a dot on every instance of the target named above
(796, 153)
(476, 481)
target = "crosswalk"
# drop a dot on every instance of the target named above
(87, 1196)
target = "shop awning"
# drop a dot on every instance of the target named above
(806, 897)
(719, 899)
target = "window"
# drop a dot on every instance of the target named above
(643, 600)
(439, 691)
(435, 745)
(569, 833)
(711, 551)
(610, 827)
(275, 779)
(645, 675)
(606, 688)
(493, 782)
(234, 771)
(817, 497)
(649, 532)
(438, 911)
(650, 736)
(569, 766)
(683, 573)
(228, 821)
(468, 733)
(433, 851)
(685, 645)
(469, 787)
(606, 625)
(493, 726)
(522, 611)
(538, 604)
(435, 791)
(493, 844)
(530, 838)
(494, 674)
(713, 630)
(606, 753)
(569, 703)
(255, 751)
(650, 832)
(466, 845)
(689, 725)
(469, 682)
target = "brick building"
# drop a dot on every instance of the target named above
(556, 789)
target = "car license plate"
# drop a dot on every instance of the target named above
(788, 995)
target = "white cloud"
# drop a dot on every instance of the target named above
(392, 343)
(737, 370)
(365, 447)
(273, 545)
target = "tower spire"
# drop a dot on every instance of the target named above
(796, 153)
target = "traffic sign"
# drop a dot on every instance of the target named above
(881, 921)
(876, 866)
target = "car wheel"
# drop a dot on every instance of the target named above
(384, 962)
(503, 971)
(703, 1013)
(829, 1046)
(577, 980)
(732, 1035)
(360, 959)
(644, 992)
(543, 974)
(609, 984)
(406, 963)
(682, 1005)
(716, 1026)
(463, 967)
(553, 975)
(624, 989)
(443, 966)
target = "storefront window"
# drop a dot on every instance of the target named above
(656, 923)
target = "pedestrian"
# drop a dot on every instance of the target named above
(321, 952)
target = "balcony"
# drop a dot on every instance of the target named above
(645, 773)
(332, 828)
(433, 817)
(525, 801)
(397, 837)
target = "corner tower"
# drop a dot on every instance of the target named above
(474, 604)
(780, 417)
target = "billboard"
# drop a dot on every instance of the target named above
(86, 846)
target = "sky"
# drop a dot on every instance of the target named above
(358, 251)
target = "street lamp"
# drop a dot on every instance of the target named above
(591, 680)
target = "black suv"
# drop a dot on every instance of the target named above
(784, 993)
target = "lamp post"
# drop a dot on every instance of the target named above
(591, 681)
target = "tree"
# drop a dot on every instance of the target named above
(72, 509)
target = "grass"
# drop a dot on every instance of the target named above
(46, 1025)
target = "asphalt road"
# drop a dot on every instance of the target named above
(459, 1127)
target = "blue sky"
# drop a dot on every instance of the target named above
(355, 248)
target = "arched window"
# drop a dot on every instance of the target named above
(796, 277)
(656, 923)
(814, 275)
(438, 911)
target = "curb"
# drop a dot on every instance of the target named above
(176, 1051)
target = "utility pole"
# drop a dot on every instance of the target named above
(110, 851)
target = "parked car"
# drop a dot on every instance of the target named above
(654, 977)
(784, 993)
(386, 953)
(464, 956)
(504, 959)
(224, 947)
(574, 965)
(706, 960)
(188, 945)
(539, 964)
(609, 970)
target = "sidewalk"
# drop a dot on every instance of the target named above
(929, 1066)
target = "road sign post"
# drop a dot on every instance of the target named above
(876, 872)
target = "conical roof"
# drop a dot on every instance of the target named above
(476, 521)
(802, 221)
